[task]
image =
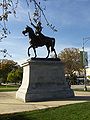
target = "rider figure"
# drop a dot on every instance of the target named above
(38, 28)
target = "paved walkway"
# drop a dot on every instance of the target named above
(9, 104)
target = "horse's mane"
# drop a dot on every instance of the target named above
(31, 30)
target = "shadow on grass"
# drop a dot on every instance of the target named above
(16, 116)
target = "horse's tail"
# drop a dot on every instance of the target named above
(53, 44)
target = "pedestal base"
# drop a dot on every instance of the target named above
(43, 79)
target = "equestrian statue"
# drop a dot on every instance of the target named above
(37, 39)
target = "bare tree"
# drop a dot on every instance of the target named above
(8, 7)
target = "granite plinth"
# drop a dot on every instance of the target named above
(43, 79)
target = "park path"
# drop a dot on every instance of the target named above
(9, 103)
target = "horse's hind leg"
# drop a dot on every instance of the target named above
(55, 53)
(48, 51)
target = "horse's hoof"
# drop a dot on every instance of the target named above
(47, 57)
(29, 55)
(56, 57)
(35, 57)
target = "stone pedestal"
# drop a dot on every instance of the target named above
(43, 79)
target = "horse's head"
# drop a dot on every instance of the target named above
(27, 30)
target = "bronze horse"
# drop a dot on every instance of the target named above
(39, 41)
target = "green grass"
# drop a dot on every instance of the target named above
(8, 88)
(80, 111)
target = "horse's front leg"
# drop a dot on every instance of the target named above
(35, 52)
(28, 50)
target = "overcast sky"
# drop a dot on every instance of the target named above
(70, 17)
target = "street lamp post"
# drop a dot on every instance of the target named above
(84, 66)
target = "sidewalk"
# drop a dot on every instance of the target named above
(9, 104)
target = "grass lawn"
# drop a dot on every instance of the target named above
(8, 88)
(80, 111)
